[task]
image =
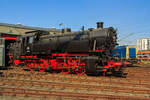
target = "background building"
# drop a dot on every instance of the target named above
(18, 29)
(143, 44)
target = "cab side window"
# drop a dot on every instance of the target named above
(30, 39)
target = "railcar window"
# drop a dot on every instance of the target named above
(1, 42)
(30, 39)
(27, 40)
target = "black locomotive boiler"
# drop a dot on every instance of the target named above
(85, 51)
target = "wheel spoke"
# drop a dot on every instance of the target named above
(81, 69)
(31, 66)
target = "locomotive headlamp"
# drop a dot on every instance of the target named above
(28, 49)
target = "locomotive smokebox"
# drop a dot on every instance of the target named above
(99, 25)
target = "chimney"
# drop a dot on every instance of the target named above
(100, 25)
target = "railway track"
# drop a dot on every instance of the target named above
(16, 81)
(133, 76)
(135, 73)
(46, 94)
(78, 79)
(113, 90)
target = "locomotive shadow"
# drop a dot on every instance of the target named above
(25, 69)
(123, 75)
(131, 66)
(48, 71)
(107, 75)
(6, 68)
(1, 74)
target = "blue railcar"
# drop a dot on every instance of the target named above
(125, 52)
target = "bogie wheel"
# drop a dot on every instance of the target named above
(81, 69)
(31, 66)
(42, 69)
(43, 65)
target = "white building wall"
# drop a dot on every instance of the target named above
(143, 44)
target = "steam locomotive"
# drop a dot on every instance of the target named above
(80, 52)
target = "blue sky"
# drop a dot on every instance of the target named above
(130, 17)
